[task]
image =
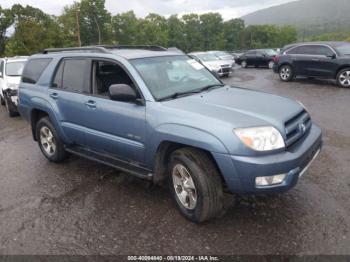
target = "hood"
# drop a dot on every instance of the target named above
(226, 57)
(239, 107)
(13, 81)
(217, 63)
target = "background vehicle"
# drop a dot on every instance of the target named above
(237, 54)
(159, 115)
(10, 77)
(257, 58)
(329, 60)
(223, 55)
(218, 66)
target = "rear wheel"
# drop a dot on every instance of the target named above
(195, 185)
(271, 64)
(49, 142)
(244, 64)
(286, 73)
(343, 78)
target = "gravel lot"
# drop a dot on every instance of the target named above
(81, 207)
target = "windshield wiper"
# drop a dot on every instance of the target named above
(209, 87)
(178, 94)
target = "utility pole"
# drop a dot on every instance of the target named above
(78, 26)
(98, 29)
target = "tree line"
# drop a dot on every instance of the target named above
(25, 30)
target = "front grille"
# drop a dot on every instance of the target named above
(297, 127)
(226, 69)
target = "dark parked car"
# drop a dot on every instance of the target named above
(315, 59)
(257, 58)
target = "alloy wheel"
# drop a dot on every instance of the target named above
(344, 79)
(185, 189)
(47, 141)
(285, 73)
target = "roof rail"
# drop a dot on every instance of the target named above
(144, 47)
(96, 49)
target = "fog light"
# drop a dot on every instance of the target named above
(270, 180)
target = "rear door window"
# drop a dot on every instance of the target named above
(34, 69)
(73, 75)
(299, 50)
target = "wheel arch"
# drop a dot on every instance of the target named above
(162, 160)
(342, 67)
(35, 116)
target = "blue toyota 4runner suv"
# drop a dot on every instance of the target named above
(161, 116)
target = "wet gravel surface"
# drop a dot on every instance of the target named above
(81, 207)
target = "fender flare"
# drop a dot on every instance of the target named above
(184, 135)
(43, 105)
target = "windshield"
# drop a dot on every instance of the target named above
(270, 52)
(343, 49)
(14, 68)
(220, 53)
(207, 57)
(166, 76)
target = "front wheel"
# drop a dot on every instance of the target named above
(2, 101)
(343, 78)
(271, 64)
(195, 185)
(49, 142)
(10, 108)
(286, 73)
(244, 64)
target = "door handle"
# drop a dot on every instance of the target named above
(54, 95)
(91, 104)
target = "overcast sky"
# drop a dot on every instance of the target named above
(228, 8)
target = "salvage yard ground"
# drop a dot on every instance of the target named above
(81, 207)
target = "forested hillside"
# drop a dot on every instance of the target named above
(310, 17)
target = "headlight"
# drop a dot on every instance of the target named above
(214, 68)
(303, 106)
(261, 138)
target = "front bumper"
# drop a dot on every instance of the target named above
(240, 172)
(275, 68)
(12, 96)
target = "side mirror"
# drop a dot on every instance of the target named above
(332, 56)
(122, 92)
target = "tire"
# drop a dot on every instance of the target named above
(244, 64)
(9, 108)
(271, 64)
(286, 73)
(2, 101)
(202, 197)
(49, 142)
(343, 78)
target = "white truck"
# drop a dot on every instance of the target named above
(10, 77)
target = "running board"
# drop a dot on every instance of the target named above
(108, 160)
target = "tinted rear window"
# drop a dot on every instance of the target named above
(76, 75)
(33, 70)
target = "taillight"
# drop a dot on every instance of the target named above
(276, 58)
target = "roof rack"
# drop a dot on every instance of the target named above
(144, 47)
(96, 49)
(104, 48)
